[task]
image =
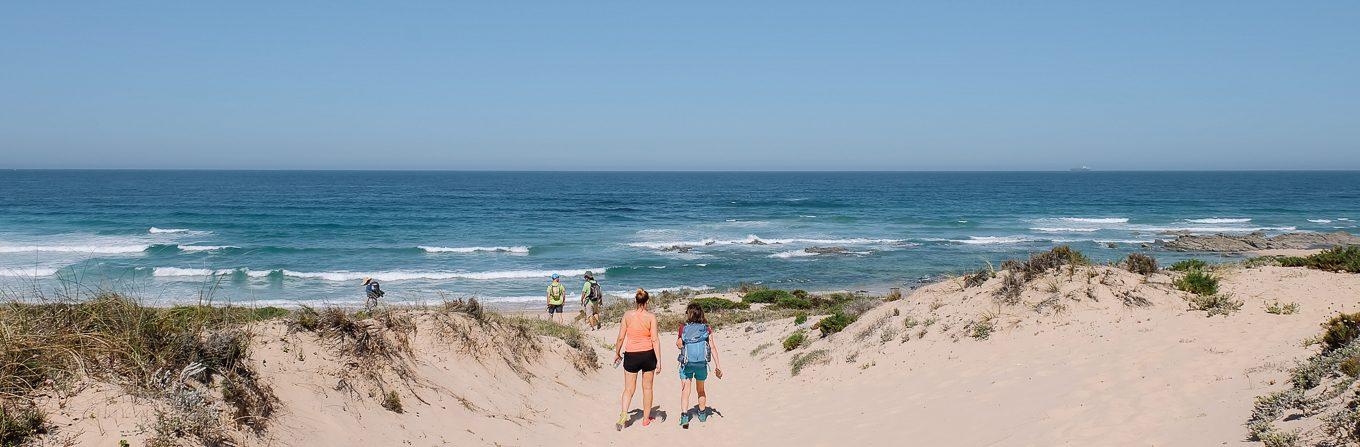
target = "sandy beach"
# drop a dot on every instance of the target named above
(1080, 355)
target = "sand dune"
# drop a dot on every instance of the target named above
(1091, 356)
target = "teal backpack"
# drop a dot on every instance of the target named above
(695, 338)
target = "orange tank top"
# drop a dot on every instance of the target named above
(637, 332)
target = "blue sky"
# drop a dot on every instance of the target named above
(644, 85)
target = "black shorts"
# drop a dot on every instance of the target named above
(554, 309)
(644, 361)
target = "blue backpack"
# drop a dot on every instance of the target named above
(695, 338)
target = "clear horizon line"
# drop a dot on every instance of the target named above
(848, 171)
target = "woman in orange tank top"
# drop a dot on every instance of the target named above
(638, 348)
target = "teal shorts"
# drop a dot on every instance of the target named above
(696, 371)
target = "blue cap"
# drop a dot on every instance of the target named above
(554, 276)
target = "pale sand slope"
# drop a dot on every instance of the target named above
(1098, 372)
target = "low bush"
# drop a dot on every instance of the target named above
(792, 302)
(1140, 263)
(392, 402)
(982, 330)
(977, 278)
(1198, 282)
(834, 323)
(794, 341)
(1188, 265)
(1215, 304)
(765, 296)
(1338, 259)
(1282, 309)
(713, 304)
(800, 318)
(1340, 331)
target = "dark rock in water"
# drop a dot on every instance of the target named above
(1144, 245)
(757, 242)
(678, 248)
(827, 250)
(1111, 245)
(1259, 241)
(710, 243)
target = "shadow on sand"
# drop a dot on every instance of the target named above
(636, 415)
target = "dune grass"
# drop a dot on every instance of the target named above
(172, 355)
(804, 360)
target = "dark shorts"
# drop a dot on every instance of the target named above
(554, 309)
(644, 361)
(594, 307)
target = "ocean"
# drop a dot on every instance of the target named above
(309, 237)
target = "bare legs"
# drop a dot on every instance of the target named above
(647, 392)
(629, 386)
(684, 396)
(703, 397)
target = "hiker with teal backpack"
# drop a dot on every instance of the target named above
(697, 349)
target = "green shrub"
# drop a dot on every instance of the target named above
(800, 318)
(1140, 263)
(834, 323)
(1188, 265)
(1343, 259)
(800, 293)
(794, 341)
(1198, 282)
(1292, 261)
(792, 302)
(712, 304)
(765, 296)
(1340, 331)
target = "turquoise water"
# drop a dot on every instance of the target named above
(273, 237)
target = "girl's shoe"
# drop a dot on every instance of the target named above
(684, 420)
(703, 415)
(623, 419)
(646, 422)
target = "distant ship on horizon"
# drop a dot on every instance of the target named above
(1083, 168)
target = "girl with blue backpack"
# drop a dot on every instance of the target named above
(697, 349)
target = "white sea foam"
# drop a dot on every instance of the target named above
(196, 248)
(516, 249)
(94, 249)
(154, 230)
(404, 275)
(27, 272)
(195, 272)
(792, 254)
(1197, 229)
(1219, 220)
(1343, 219)
(1125, 241)
(1102, 220)
(1064, 230)
(751, 240)
(989, 240)
(1320, 220)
